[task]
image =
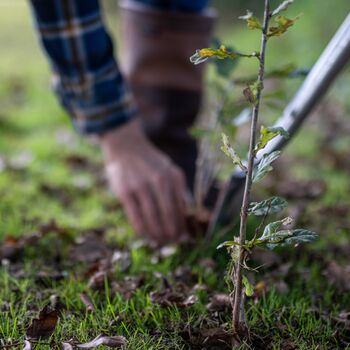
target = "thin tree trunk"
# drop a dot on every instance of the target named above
(238, 323)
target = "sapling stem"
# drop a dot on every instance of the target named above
(238, 322)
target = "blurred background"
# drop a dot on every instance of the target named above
(36, 133)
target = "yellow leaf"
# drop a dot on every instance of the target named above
(252, 21)
(283, 23)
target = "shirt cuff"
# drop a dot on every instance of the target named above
(101, 104)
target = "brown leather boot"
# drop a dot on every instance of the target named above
(156, 47)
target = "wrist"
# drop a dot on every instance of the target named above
(123, 140)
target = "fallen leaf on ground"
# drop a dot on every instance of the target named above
(52, 227)
(343, 318)
(43, 326)
(288, 345)
(169, 297)
(128, 285)
(167, 251)
(97, 280)
(209, 339)
(11, 247)
(77, 161)
(91, 247)
(87, 302)
(185, 275)
(220, 302)
(27, 345)
(110, 341)
(122, 259)
(67, 346)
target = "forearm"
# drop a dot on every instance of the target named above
(86, 76)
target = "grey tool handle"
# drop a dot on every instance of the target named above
(333, 59)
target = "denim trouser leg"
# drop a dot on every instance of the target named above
(178, 5)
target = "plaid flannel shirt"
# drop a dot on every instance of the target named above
(86, 75)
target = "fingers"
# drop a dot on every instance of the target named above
(157, 208)
(154, 201)
(142, 211)
(169, 189)
(168, 215)
(133, 212)
(150, 216)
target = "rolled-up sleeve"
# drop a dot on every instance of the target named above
(86, 76)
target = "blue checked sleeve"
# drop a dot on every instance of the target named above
(86, 76)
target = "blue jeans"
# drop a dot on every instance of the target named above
(178, 5)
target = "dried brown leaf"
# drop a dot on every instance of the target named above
(87, 302)
(169, 297)
(90, 248)
(220, 302)
(43, 326)
(97, 280)
(128, 286)
(211, 338)
(343, 318)
(185, 275)
(77, 161)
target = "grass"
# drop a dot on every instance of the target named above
(50, 187)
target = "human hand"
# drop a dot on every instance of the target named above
(150, 187)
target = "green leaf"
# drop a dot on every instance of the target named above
(283, 23)
(299, 236)
(269, 206)
(227, 244)
(264, 165)
(282, 7)
(272, 228)
(252, 21)
(251, 92)
(286, 237)
(230, 152)
(272, 237)
(248, 287)
(267, 134)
